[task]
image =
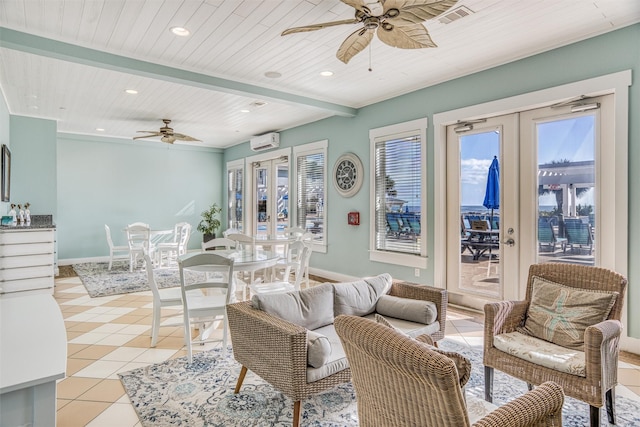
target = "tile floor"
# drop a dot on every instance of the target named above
(111, 334)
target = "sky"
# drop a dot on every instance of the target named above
(568, 139)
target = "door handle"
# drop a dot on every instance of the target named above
(510, 242)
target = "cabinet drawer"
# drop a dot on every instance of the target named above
(26, 249)
(26, 273)
(26, 236)
(26, 284)
(25, 261)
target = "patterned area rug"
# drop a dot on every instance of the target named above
(101, 282)
(176, 393)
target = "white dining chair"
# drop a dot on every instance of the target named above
(245, 242)
(200, 302)
(115, 252)
(170, 251)
(295, 265)
(307, 239)
(167, 297)
(138, 239)
(219, 242)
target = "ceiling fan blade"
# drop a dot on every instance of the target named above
(354, 44)
(183, 137)
(315, 27)
(414, 36)
(414, 11)
(154, 134)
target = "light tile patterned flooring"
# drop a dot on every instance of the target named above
(109, 335)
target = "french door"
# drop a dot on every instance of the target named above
(270, 196)
(549, 207)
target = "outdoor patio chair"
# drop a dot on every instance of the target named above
(576, 346)
(400, 381)
(578, 234)
(547, 236)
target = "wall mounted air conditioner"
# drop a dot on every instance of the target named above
(265, 142)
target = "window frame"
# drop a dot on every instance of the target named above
(417, 127)
(236, 165)
(317, 147)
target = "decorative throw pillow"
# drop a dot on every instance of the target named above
(359, 298)
(310, 308)
(560, 314)
(463, 365)
(414, 310)
(318, 349)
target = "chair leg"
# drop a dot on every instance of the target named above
(110, 260)
(155, 323)
(243, 372)
(296, 413)
(594, 416)
(488, 384)
(187, 335)
(610, 397)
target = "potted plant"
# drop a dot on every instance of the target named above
(210, 223)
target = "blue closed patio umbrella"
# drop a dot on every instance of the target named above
(492, 193)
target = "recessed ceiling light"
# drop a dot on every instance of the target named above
(180, 31)
(245, 111)
(273, 74)
(100, 129)
(326, 73)
(131, 91)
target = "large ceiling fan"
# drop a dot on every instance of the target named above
(166, 134)
(398, 24)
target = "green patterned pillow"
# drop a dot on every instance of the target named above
(560, 314)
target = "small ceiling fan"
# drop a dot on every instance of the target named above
(398, 24)
(166, 134)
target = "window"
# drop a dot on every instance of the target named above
(235, 192)
(398, 194)
(310, 191)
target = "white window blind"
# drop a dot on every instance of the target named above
(398, 193)
(310, 207)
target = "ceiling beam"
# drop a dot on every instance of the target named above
(41, 46)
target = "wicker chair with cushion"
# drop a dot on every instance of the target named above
(567, 330)
(288, 339)
(401, 382)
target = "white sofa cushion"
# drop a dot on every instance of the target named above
(413, 329)
(318, 349)
(359, 298)
(542, 352)
(415, 310)
(310, 308)
(336, 362)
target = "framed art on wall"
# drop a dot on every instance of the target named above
(6, 173)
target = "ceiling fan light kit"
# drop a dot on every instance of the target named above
(398, 23)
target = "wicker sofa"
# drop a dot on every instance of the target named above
(278, 336)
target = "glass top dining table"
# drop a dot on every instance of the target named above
(249, 260)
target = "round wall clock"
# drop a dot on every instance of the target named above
(348, 174)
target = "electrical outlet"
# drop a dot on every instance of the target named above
(417, 272)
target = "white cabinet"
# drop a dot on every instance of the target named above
(27, 260)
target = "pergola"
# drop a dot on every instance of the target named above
(567, 176)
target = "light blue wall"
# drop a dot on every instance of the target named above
(117, 182)
(4, 139)
(347, 246)
(33, 164)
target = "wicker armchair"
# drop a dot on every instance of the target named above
(402, 382)
(276, 350)
(601, 341)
